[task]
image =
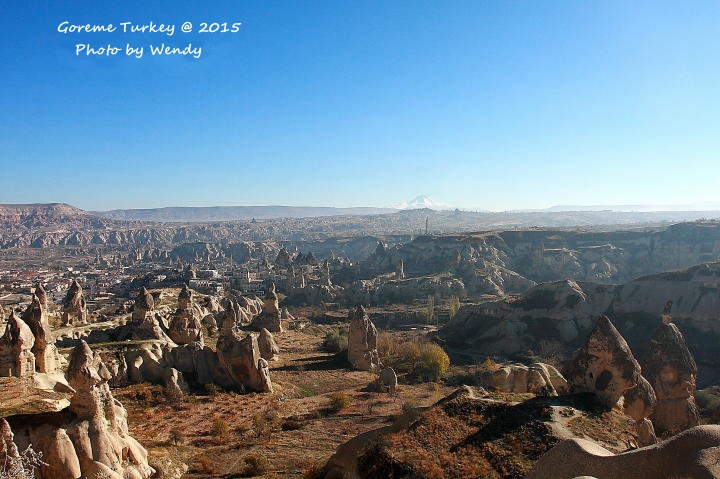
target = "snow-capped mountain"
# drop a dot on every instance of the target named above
(422, 201)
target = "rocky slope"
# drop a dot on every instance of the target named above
(554, 318)
(466, 435)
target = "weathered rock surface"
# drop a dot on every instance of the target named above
(16, 356)
(47, 359)
(605, 365)
(362, 340)
(538, 378)
(269, 317)
(269, 349)
(74, 307)
(145, 325)
(693, 454)
(553, 319)
(90, 438)
(672, 371)
(240, 364)
(185, 327)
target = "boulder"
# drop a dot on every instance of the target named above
(269, 317)
(16, 356)
(74, 307)
(362, 341)
(672, 371)
(604, 365)
(538, 378)
(240, 365)
(269, 349)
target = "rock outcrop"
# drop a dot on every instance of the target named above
(144, 305)
(269, 349)
(239, 362)
(90, 438)
(74, 307)
(538, 378)
(605, 365)
(362, 341)
(144, 325)
(672, 371)
(269, 317)
(694, 453)
(16, 356)
(47, 359)
(185, 327)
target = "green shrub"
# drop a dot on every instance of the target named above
(336, 340)
(338, 401)
(432, 363)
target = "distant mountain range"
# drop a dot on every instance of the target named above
(230, 213)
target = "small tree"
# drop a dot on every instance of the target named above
(454, 307)
(430, 309)
(338, 401)
(433, 362)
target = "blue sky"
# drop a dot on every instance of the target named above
(479, 104)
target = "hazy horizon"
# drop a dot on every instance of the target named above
(493, 106)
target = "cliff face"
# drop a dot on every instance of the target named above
(552, 319)
(549, 255)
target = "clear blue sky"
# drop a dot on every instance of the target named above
(480, 104)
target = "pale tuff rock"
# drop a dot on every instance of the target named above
(269, 317)
(694, 453)
(74, 308)
(16, 356)
(91, 440)
(47, 359)
(325, 274)
(41, 294)
(388, 380)
(672, 371)
(269, 349)
(145, 325)
(283, 259)
(638, 403)
(604, 365)
(270, 302)
(285, 314)
(8, 449)
(144, 304)
(538, 378)
(362, 341)
(240, 363)
(185, 327)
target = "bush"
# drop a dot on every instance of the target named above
(338, 401)
(417, 361)
(255, 465)
(410, 410)
(212, 389)
(336, 340)
(220, 427)
(433, 362)
(23, 466)
(291, 424)
(175, 436)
